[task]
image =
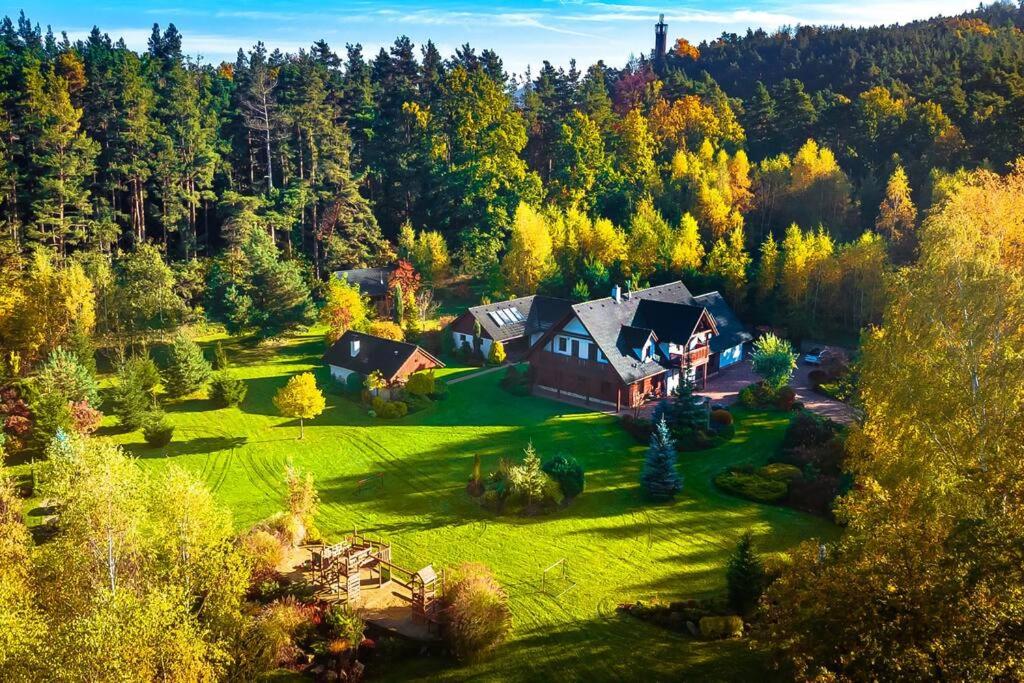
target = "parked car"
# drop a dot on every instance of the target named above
(813, 357)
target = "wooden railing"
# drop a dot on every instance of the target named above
(698, 356)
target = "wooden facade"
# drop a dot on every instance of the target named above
(568, 363)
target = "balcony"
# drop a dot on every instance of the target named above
(694, 358)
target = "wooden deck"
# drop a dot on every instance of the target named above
(388, 606)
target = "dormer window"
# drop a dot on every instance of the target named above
(354, 348)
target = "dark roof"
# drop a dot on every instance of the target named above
(633, 338)
(731, 331)
(605, 320)
(673, 322)
(535, 314)
(375, 353)
(371, 281)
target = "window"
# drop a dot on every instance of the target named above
(601, 358)
(563, 344)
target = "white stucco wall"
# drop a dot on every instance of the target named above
(340, 374)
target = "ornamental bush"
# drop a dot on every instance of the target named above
(568, 473)
(479, 618)
(721, 627)
(389, 410)
(721, 417)
(752, 486)
(421, 383)
(774, 360)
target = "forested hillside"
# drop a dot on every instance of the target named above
(782, 168)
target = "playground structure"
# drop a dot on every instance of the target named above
(359, 563)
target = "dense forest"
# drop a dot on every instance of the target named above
(864, 185)
(740, 161)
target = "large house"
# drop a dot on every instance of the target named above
(375, 283)
(625, 349)
(516, 323)
(361, 354)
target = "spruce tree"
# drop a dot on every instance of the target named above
(745, 577)
(220, 358)
(659, 478)
(687, 415)
(187, 369)
(133, 395)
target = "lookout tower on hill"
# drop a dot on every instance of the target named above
(660, 43)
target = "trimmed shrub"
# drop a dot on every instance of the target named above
(496, 355)
(157, 431)
(752, 486)
(780, 471)
(568, 473)
(227, 391)
(389, 410)
(421, 383)
(716, 628)
(479, 618)
(354, 383)
(721, 417)
(516, 381)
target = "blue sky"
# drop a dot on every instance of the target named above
(524, 33)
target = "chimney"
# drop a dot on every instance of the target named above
(353, 347)
(617, 293)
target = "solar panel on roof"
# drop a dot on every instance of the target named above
(517, 314)
(503, 312)
(494, 316)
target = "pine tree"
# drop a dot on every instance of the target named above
(61, 160)
(659, 478)
(745, 577)
(187, 370)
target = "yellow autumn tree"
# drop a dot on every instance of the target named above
(301, 398)
(688, 250)
(767, 270)
(650, 240)
(602, 241)
(345, 308)
(530, 257)
(897, 214)
(729, 260)
(932, 531)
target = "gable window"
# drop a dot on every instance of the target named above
(563, 344)
(601, 358)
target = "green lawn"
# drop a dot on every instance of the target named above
(619, 548)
